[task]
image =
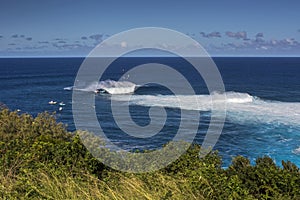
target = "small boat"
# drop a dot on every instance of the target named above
(62, 104)
(60, 108)
(52, 102)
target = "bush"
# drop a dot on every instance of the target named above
(29, 143)
(39, 158)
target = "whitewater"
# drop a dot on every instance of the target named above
(240, 107)
(262, 102)
(109, 86)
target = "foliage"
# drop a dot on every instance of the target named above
(28, 143)
(39, 159)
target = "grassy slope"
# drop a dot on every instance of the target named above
(40, 159)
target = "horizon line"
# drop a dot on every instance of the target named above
(163, 56)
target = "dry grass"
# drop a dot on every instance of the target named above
(43, 184)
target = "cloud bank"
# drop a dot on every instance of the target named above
(237, 35)
(216, 42)
(214, 34)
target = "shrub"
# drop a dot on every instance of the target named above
(39, 158)
(29, 143)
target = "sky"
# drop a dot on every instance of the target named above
(224, 28)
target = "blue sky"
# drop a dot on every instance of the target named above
(224, 28)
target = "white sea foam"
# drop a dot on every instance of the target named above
(241, 107)
(110, 86)
(117, 87)
(68, 88)
(296, 151)
(187, 102)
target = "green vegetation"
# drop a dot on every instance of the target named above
(39, 159)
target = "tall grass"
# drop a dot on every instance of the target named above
(44, 184)
(39, 159)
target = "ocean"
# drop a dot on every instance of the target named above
(263, 102)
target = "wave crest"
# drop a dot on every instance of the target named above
(109, 86)
(117, 87)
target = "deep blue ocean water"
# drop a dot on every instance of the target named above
(262, 119)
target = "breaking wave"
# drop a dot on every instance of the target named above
(108, 86)
(240, 107)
